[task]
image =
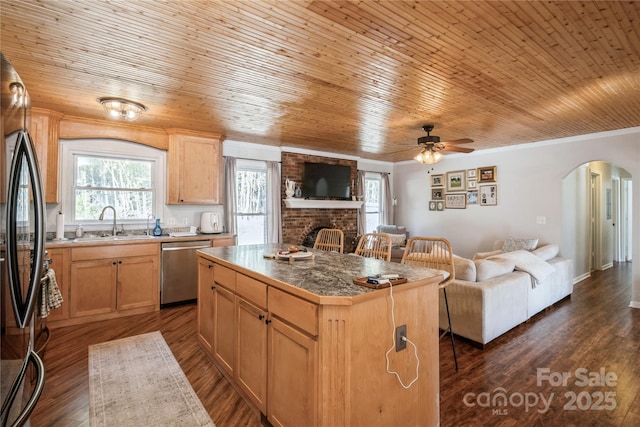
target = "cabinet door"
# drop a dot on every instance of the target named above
(293, 376)
(138, 284)
(224, 328)
(60, 264)
(194, 169)
(205, 303)
(93, 287)
(251, 366)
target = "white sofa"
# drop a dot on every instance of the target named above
(491, 294)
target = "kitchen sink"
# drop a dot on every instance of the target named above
(111, 238)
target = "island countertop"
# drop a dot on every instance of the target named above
(328, 274)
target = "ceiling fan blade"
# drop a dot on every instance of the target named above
(458, 141)
(456, 149)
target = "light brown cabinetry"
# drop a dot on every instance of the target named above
(110, 280)
(268, 350)
(206, 288)
(194, 173)
(251, 352)
(324, 361)
(293, 377)
(44, 129)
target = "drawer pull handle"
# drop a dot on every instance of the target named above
(261, 316)
(267, 321)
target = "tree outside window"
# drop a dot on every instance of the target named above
(373, 200)
(251, 199)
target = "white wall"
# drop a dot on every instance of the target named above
(529, 179)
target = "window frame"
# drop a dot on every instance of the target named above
(374, 176)
(252, 165)
(111, 148)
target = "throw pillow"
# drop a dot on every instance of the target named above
(488, 269)
(397, 239)
(547, 252)
(519, 244)
(464, 269)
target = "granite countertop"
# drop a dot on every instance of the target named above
(128, 239)
(327, 274)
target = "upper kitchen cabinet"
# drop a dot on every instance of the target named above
(194, 168)
(44, 129)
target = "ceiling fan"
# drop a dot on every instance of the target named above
(432, 146)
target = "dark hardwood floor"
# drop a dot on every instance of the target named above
(594, 330)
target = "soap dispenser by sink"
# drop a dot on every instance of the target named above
(157, 231)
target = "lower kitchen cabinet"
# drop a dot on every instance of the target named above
(108, 281)
(292, 360)
(251, 361)
(273, 362)
(206, 289)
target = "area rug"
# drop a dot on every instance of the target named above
(136, 381)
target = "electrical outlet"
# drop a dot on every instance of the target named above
(401, 332)
(541, 220)
(171, 221)
(185, 221)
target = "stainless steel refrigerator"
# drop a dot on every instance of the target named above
(22, 239)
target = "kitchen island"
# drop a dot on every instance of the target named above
(306, 346)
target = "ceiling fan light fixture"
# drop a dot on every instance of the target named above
(428, 156)
(123, 109)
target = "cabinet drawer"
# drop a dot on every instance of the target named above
(298, 312)
(224, 276)
(114, 251)
(252, 290)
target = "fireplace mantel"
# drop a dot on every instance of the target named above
(295, 203)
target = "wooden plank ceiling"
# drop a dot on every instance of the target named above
(355, 78)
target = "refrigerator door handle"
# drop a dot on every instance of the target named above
(24, 304)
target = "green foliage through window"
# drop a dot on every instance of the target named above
(124, 184)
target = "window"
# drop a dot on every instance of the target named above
(373, 198)
(124, 184)
(251, 200)
(99, 173)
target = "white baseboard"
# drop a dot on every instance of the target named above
(634, 304)
(581, 278)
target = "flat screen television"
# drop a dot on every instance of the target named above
(325, 181)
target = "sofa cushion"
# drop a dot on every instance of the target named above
(518, 243)
(464, 269)
(488, 269)
(547, 252)
(483, 255)
(392, 229)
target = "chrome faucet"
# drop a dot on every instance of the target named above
(101, 217)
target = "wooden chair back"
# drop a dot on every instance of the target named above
(431, 252)
(330, 239)
(375, 245)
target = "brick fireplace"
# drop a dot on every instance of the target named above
(298, 223)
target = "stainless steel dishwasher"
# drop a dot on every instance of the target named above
(179, 280)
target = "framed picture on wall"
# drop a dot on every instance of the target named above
(432, 205)
(456, 181)
(455, 201)
(472, 197)
(472, 173)
(437, 193)
(436, 180)
(488, 195)
(487, 174)
(440, 205)
(472, 184)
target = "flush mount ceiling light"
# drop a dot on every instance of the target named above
(123, 109)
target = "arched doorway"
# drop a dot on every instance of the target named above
(596, 220)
